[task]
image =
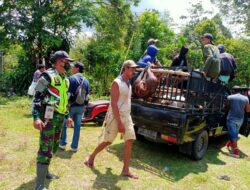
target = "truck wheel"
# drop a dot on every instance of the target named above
(199, 147)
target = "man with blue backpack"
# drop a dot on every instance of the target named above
(79, 91)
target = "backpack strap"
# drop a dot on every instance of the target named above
(80, 82)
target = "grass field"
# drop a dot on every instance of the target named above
(158, 166)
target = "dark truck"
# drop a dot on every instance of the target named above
(186, 109)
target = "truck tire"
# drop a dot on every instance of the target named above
(199, 146)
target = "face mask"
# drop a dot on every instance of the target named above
(67, 66)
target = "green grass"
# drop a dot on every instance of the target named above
(19, 145)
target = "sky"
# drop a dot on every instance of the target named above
(176, 8)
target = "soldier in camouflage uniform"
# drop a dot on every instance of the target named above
(50, 109)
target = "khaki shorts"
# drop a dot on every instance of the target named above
(111, 129)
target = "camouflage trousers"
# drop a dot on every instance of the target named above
(50, 138)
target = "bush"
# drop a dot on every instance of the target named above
(19, 77)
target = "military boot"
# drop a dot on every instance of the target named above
(41, 172)
(51, 176)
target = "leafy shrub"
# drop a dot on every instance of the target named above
(19, 77)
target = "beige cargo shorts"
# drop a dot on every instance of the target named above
(111, 128)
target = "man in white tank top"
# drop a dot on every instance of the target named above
(118, 119)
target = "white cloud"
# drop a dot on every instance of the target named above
(176, 8)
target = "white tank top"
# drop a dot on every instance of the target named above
(124, 101)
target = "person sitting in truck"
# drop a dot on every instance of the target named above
(211, 57)
(149, 57)
(228, 65)
(180, 59)
(237, 104)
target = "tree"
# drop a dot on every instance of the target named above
(207, 26)
(223, 30)
(196, 15)
(237, 11)
(40, 27)
(107, 49)
(149, 25)
(43, 25)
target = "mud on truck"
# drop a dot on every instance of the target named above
(185, 109)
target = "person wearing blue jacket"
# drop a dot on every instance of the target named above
(228, 65)
(149, 57)
(76, 110)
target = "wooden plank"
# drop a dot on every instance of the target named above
(166, 71)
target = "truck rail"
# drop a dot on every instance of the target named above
(189, 91)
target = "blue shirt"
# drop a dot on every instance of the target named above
(73, 84)
(152, 51)
(237, 102)
(143, 62)
(149, 57)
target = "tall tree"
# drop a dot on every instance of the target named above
(43, 25)
(236, 11)
(107, 49)
(223, 29)
(150, 25)
(196, 15)
(40, 27)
